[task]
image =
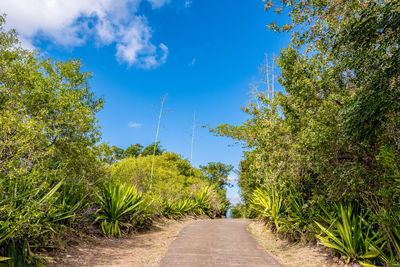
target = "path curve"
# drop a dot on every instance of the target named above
(220, 242)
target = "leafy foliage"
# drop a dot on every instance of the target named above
(238, 211)
(349, 233)
(179, 208)
(217, 173)
(117, 202)
(332, 136)
(268, 204)
(49, 162)
(53, 172)
(174, 183)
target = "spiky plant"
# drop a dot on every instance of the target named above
(349, 233)
(117, 202)
(267, 204)
(202, 202)
(178, 209)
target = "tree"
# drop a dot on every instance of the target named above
(133, 150)
(117, 153)
(360, 42)
(217, 173)
(149, 150)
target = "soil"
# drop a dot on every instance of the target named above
(139, 249)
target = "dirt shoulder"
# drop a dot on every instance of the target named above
(288, 254)
(141, 249)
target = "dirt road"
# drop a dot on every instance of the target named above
(216, 243)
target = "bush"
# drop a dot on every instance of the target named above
(117, 203)
(267, 204)
(173, 182)
(349, 233)
(179, 208)
(49, 160)
(238, 211)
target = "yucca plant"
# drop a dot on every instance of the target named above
(117, 202)
(178, 209)
(267, 204)
(349, 234)
(202, 202)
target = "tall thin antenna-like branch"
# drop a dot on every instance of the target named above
(266, 75)
(155, 141)
(191, 149)
(273, 75)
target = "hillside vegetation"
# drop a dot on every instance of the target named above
(55, 176)
(323, 158)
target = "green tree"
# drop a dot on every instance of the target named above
(133, 150)
(217, 172)
(149, 150)
(117, 153)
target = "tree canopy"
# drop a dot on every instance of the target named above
(217, 172)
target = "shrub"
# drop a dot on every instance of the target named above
(349, 233)
(48, 136)
(202, 202)
(267, 204)
(179, 208)
(238, 211)
(117, 203)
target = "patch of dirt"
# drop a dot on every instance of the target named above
(293, 255)
(139, 249)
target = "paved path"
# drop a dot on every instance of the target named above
(216, 243)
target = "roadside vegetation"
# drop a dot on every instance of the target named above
(323, 157)
(56, 176)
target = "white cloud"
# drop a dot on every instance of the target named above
(188, 3)
(158, 3)
(232, 178)
(192, 62)
(134, 124)
(235, 199)
(72, 23)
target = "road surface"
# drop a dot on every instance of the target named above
(212, 243)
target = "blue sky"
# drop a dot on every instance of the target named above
(202, 53)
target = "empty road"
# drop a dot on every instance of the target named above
(212, 243)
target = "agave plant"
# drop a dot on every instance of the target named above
(202, 202)
(117, 202)
(267, 204)
(178, 208)
(349, 234)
